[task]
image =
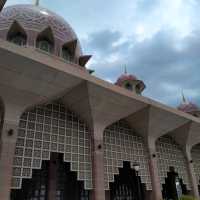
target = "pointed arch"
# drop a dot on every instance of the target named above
(54, 179)
(127, 184)
(69, 50)
(50, 127)
(127, 146)
(170, 155)
(17, 34)
(45, 40)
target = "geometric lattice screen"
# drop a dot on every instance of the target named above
(52, 128)
(121, 144)
(196, 162)
(169, 154)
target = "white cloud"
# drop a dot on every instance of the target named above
(157, 39)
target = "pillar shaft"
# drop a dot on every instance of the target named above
(52, 182)
(194, 184)
(153, 168)
(98, 164)
(193, 180)
(8, 141)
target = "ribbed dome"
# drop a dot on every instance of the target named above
(125, 77)
(33, 20)
(130, 82)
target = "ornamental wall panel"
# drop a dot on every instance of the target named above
(169, 154)
(196, 162)
(122, 144)
(52, 128)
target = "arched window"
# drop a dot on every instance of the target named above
(68, 50)
(138, 89)
(129, 86)
(45, 41)
(18, 39)
(44, 45)
(17, 35)
(66, 54)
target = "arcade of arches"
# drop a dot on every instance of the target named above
(54, 153)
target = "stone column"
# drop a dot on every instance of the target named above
(193, 180)
(153, 167)
(8, 141)
(52, 182)
(98, 163)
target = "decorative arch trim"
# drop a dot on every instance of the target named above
(169, 154)
(52, 128)
(45, 40)
(16, 29)
(121, 144)
(69, 50)
(71, 46)
(47, 33)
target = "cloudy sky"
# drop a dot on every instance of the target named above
(158, 41)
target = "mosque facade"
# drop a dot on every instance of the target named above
(68, 135)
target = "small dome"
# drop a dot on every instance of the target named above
(130, 82)
(125, 77)
(34, 20)
(188, 107)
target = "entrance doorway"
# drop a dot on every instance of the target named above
(127, 185)
(54, 181)
(173, 188)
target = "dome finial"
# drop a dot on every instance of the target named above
(125, 70)
(183, 97)
(37, 2)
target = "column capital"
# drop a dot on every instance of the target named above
(151, 144)
(97, 130)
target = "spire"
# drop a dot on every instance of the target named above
(183, 98)
(37, 2)
(125, 70)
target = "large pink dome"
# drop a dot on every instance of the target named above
(34, 20)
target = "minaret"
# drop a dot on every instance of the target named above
(125, 70)
(189, 107)
(183, 98)
(130, 82)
